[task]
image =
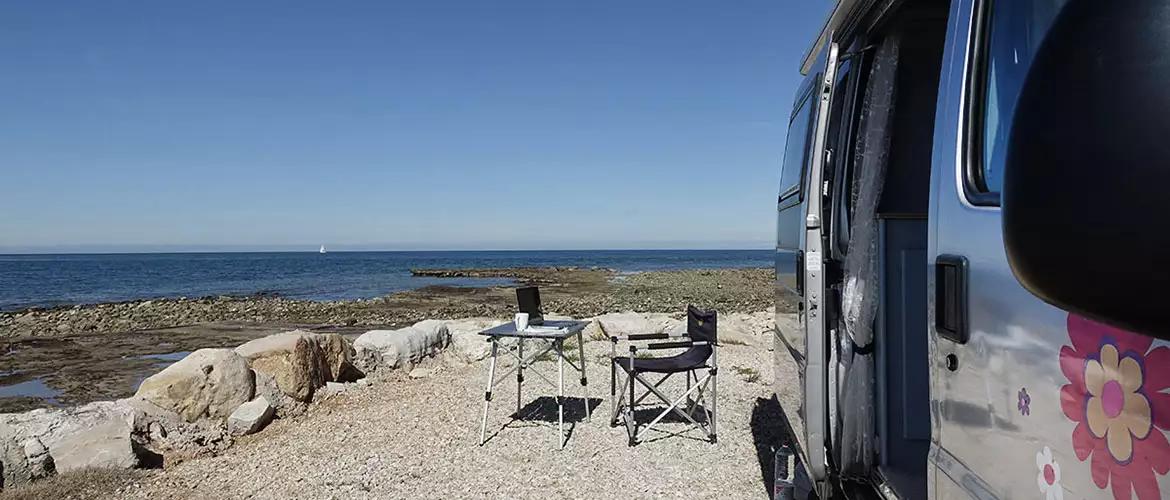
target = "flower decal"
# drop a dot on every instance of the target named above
(1049, 477)
(1025, 400)
(1116, 395)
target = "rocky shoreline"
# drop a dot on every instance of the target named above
(311, 397)
(576, 292)
(74, 355)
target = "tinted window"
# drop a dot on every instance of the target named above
(796, 151)
(1015, 31)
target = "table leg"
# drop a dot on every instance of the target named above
(584, 378)
(561, 393)
(487, 398)
(519, 375)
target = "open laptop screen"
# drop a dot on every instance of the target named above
(528, 298)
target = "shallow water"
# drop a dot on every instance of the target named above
(169, 356)
(35, 388)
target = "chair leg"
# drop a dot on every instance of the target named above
(617, 399)
(631, 421)
(584, 377)
(714, 402)
(613, 385)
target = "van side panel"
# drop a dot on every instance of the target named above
(1016, 410)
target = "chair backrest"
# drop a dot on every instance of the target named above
(702, 325)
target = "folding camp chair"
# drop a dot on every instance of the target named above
(700, 340)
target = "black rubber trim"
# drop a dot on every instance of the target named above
(670, 345)
(647, 336)
(974, 186)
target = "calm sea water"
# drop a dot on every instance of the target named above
(50, 280)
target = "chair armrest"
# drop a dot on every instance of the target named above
(677, 345)
(648, 336)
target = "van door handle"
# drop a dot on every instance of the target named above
(950, 298)
(800, 272)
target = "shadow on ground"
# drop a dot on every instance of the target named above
(769, 430)
(544, 409)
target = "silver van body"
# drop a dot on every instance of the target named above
(926, 370)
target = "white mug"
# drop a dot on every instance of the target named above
(521, 321)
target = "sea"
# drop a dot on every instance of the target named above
(28, 281)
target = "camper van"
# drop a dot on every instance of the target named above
(972, 251)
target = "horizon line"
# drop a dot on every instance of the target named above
(8, 252)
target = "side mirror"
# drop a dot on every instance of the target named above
(1086, 195)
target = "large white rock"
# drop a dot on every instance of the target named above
(466, 343)
(630, 323)
(738, 328)
(124, 433)
(101, 443)
(300, 361)
(750, 329)
(250, 417)
(37, 443)
(208, 383)
(394, 349)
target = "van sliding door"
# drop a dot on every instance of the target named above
(816, 364)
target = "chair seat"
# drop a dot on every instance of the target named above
(684, 362)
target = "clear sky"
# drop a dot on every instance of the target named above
(530, 124)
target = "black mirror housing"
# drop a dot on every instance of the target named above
(1086, 195)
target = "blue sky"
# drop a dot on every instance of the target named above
(441, 124)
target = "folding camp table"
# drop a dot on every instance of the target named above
(555, 332)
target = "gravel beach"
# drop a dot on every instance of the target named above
(417, 438)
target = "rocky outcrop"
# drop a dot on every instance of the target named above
(500, 272)
(394, 349)
(163, 431)
(338, 356)
(122, 434)
(208, 383)
(581, 293)
(39, 443)
(300, 361)
(250, 417)
(284, 405)
(467, 345)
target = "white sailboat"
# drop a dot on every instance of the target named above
(322, 249)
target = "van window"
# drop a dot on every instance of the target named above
(796, 154)
(1014, 33)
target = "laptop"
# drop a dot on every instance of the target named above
(528, 298)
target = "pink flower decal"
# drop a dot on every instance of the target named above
(1116, 396)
